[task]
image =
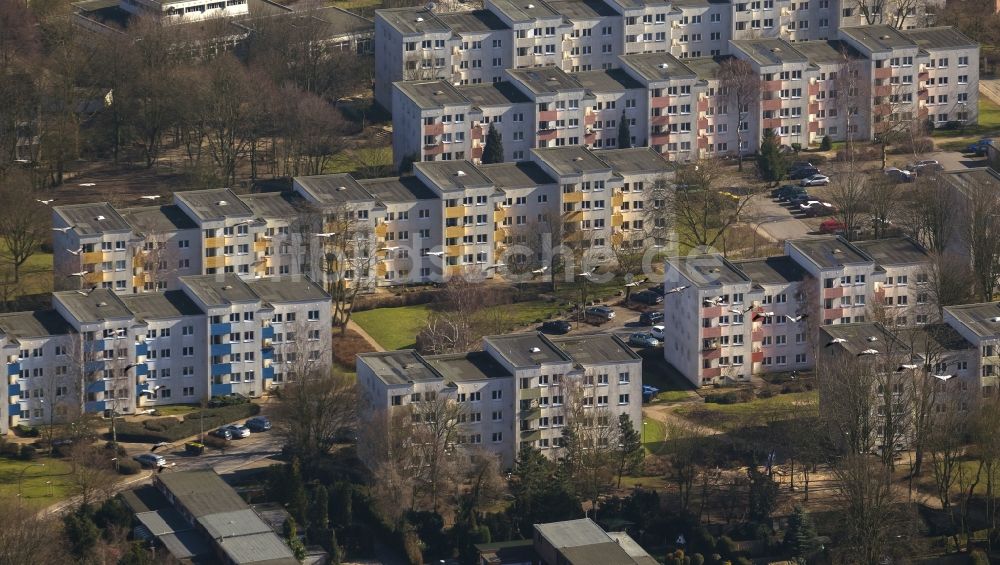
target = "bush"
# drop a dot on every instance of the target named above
(919, 145)
(826, 144)
(27, 431)
(729, 397)
(227, 400)
(128, 466)
(979, 558)
(190, 426)
(27, 453)
(796, 147)
(160, 424)
(11, 450)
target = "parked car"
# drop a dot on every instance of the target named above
(799, 165)
(900, 175)
(194, 448)
(791, 193)
(258, 424)
(602, 313)
(224, 433)
(925, 163)
(651, 317)
(800, 199)
(658, 289)
(647, 297)
(150, 460)
(649, 392)
(658, 332)
(815, 208)
(926, 168)
(556, 327)
(783, 188)
(832, 226)
(238, 431)
(643, 340)
(815, 180)
(803, 173)
(980, 147)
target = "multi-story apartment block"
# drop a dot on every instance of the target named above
(979, 324)
(98, 352)
(520, 390)
(730, 320)
(820, 68)
(449, 218)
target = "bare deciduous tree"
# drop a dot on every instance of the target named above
(982, 236)
(703, 211)
(741, 85)
(23, 221)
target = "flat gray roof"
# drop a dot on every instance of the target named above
(640, 3)
(859, 337)
(431, 94)
(966, 179)
(595, 348)
(280, 205)
(524, 11)
(573, 533)
(93, 306)
(474, 366)
(400, 367)
(770, 51)
(708, 270)
(160, 305)
(570, 160)
(201, 492)
(527, 349)
(545, 80)
(398, 189)
(412, 21)
(92, 219)
(772, 270)
(706, 68)
(609, 80)
(519, 174)
(340, 21)
(277, 290)
(943, 37)
(262, 549)
(501, 93)
(894, 251)
(826, 51)
(158, 219)
(214, 204)
(219, 290)
(636, 160)
(233, 523)
(475, 21)
(978, 317)
(830, 252)
(931, 338)
(453, 175)
(186, 545)
(582, 9)
(337, 188)
(657, 66)
(40, 323)
(878, 38)
(163, 521)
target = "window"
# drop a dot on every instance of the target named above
(623, 398)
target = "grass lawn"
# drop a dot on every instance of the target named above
(757, 412)
(674, 395)
(176, 409)
(654, 432)
(958, 139)
(657, 372)
(36, 274)
(357, 4)
(347, 161)
(35, 492)
(393, 328)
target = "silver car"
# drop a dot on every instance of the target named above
(151, 460)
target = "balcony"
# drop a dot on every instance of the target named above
(141, 349)
(259, 246)
(714, 331)
(381, 230)
(95, 407)
(533, 393)
(770, 86)
(92, 257)
(547, 116)
(267, 332)
(215, 262)
(219, 369)
(713, 353)
(572, 197)
(267, 353)
(13, 368)
(617, 199)
(214, 242)
(616, 219)
(757, 356)
(220, 329)
(835, 292)
(659, 102)
(434, 129)
(433, 149)
(883, 73)
(454, 231)
(547, 134)
(222, 389)
(454, 212)
(770, 104)
(267, 373)
(659, 120)
(222, 348)
(14, 390)
(100, 385)
(531, 435)
(659, 138)
(531, 413)
(141, 369)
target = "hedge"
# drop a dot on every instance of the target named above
(172, 429)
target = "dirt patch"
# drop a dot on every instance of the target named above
(347, 346)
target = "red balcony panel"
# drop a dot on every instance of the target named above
(835, 292)
(703, 105)
(659, 102)
(477, 152)
(813, 126)
(814, 108)
(712, 311)
(757, 356)
(711, 353)
(702, 123)
(757, 335)
(773, 123)
(547, 116)
(814, 88)
(770, 86)
(434, 129)
(433, 149)
(703, 142)
(772, 104)
(884, 72)
(547, 134)
(833, 313)
(714, 331)
(659, 138)
(589, 119)
(711, 373)
(659, 120)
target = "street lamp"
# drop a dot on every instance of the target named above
(644, 422)
(20, 477)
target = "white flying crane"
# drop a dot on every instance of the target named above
(836, 340)
(63, 230)
(46, 202)
(868, 352)
(150, 197)
(676, 289)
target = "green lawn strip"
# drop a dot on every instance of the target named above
(393, 328)
(731, 416)
(654, 433)
(988, 124)
(34, 490)
(176, 409)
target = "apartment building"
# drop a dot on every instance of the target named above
(518, 391)
(979, 324)
(99, 352)
(813, 85)
(730, 320)
(449, 218)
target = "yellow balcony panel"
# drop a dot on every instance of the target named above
(215, 262)
(499, 235)
(93, 257)
(574, 216)
(617, 200)
(380, 269)
(454, 231)
(572, 197)
(214, 242)
(138, 281)
(498, 215)
(93, 278)
(259, 246)
(616, 219)
(381, 230)
(453, 250)
(454, 212)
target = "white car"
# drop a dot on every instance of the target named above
(238, 431)
(815, 180)
(657, 332)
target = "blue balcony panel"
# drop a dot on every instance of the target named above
(142, 369)
(141, 349)
(267, 353)
(268, 373)
(14, 390)
(93, 366)
(14, 409)
(96, 345)
(267, 333)
(13, 369)
(222, 348)
(222, 389)
(220, 329)
(99, 385)
(95, 406)
(221, 369)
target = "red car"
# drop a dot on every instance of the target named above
(831, 226)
